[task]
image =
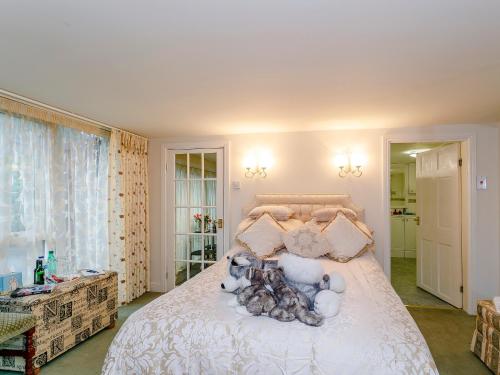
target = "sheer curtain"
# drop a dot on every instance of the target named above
(81, 199)
(53, 195)
(25, 193)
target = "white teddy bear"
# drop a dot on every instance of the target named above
(308, 275)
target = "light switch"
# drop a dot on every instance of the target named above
(236, 185)
(482, 183)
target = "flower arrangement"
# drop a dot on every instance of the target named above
(198, 218)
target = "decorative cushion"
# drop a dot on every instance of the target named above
(13, 324)
(346, 239)
(278, 212)
(329, 213)
(306, 241)
(291, 224)
(263, 236)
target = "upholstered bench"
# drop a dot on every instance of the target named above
(72, 313)
(16, 324)
(486, 338)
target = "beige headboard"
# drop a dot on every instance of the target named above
(304, 204)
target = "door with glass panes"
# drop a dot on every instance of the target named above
(196, 211)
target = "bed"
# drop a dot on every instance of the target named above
(193, 330)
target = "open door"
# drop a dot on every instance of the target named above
(439, 248)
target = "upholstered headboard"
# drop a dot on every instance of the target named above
(304, 204)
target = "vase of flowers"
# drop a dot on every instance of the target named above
(197, 222)
(207, 221)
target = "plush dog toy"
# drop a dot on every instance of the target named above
(257, 298)
(237, 265)
(308, 276)
(291, 303)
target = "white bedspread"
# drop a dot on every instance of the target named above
(191, 330)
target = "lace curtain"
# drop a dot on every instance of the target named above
(53, 195)
(129, 214)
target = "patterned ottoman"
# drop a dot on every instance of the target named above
(72, 313)
(486, 339)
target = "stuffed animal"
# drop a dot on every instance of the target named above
(291, 303)
(237, 266)
(256, 298)
(308, 276)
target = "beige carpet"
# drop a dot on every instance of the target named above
(404, 281)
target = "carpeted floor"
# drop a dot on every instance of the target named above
(404, 281)
(447, 332)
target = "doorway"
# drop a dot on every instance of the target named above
(425, 223)
(195, 209)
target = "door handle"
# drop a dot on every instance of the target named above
(417, 219)
(220, 223)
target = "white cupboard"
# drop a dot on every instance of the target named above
(403, 236)
(410, 233)
(397, 236)
(412, 178)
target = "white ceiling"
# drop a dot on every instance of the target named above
(400, 155)
(199, 67)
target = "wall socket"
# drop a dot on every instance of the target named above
(482, 183)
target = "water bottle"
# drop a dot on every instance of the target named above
(51, 265)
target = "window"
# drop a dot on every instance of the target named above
(53, 195)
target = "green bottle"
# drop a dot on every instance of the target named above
(39, 273)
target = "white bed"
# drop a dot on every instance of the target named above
(192, 330)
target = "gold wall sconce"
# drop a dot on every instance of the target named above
(350, 164)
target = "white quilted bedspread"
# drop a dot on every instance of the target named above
(192, 330)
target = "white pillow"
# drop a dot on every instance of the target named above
(306, 241)
(278, 212)
(263, 236)
(291, 224)
(329, 213)
(346, 239)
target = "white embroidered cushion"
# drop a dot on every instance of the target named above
(329, 213)
(306, 241)
(346, 239)
(278, 212)
(263, 236)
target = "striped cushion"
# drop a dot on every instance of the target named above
(13, 324)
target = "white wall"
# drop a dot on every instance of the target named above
(303, 164)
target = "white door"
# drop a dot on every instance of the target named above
(195, 212)
(439, 253)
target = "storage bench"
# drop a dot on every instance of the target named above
(486, 338)
(73, 312)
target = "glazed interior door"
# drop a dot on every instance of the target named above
(196, 211)
(439, 251)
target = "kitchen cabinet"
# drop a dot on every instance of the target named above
(410, 233)
(403, 236)
(412, 178)
(398, 181)
(397, 236)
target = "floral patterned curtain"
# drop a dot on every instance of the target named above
(129, 214)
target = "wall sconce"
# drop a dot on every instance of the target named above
(352, 164)
(257, 165)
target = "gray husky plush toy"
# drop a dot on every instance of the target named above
(269, 294)
(291, 303)
(256, 298)
(237, 266)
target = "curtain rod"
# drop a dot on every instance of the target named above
(28, 101)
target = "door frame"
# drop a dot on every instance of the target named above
(166, 232)
(469, 203)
